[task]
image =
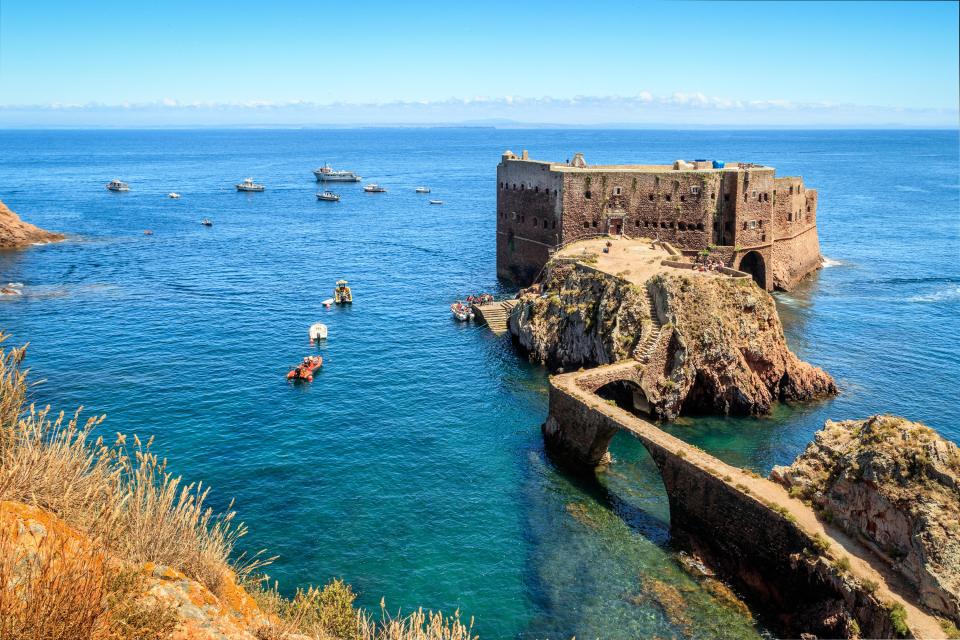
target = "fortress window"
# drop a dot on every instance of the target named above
(534, 221)
(791, 189)
(554, 225)
(523, 187)
(676, 185)
(763, 238)
(586, 225)
(594, 224)
(514, 186)
(523, 217)
(667, 197)
(766, 197)
(808, 208)
(713, 196)
(636, 223)
(745, 196)
(663, 225)
(536, 189)
(586, 194)
(617, 191)
(726, 197)
(683, 198)
(789, 217)
(682, 226)
(700, 226)
(650, 197)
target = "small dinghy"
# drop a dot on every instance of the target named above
(174, 195)
(207, 222)
(422, 189)
(117, 185)
(436, 202)
(327, 302)
(328, 196)
(305, 370)
(318, 331)
(461, 312)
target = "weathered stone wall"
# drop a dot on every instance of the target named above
(795, 258)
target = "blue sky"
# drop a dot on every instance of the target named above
(177, 62)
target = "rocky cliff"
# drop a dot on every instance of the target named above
(707, 344)
(896, 485)
(15, 233)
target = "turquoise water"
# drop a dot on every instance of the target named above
(413, 466)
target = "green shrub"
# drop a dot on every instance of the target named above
(898, 618)
(821, 544)
(842, 564)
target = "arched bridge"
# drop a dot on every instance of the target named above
(773, 547)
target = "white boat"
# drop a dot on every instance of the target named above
(207, 222)
(174, 195)
(249, 185)
(327, 302)
(374, 188)
(461, 311)
(329, 196)
(318, 331)
(326, 173)
(436, 202)
(116, 185)
(422, 189)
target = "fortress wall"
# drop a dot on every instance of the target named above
(795, 258)
(753, 216)
(528, 218)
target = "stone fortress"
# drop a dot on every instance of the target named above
(747, 217)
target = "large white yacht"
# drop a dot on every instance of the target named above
(326, 173)
(249, 185)
(116, 185)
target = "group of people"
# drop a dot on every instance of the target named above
(305, 370)
(483, 298)
(707, 263)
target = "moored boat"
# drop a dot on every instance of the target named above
(207, 222)
(305, 370)
(461, 311)
(116, 185)
(373, 187)
(342, 293)
(173, 195)
(326, 173)
(436, 202)
(422, 189)
(328, 196)
(249, 185)
(318, 331)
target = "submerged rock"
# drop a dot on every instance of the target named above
(896, 485)
(16, 234)
(710, 344)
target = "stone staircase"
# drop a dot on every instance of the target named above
(495, 314)
(645, 348)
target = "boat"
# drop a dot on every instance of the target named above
(461, 311)
(207, 222)
(422, 189)
(436, 202)
(116, 185)
(318, 331)
(305, 370)
(373, 187)
(327, 302)
(148, 232)
(329, 196)
(342, 293)
(174, 195)
(326, 173)
(249, 185)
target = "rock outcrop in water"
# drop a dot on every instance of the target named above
(16, 234)
(710, 344)
(896, 485)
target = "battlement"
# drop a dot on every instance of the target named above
(751, 218)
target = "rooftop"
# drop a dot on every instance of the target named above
(579, 165)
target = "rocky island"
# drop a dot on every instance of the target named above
(17, 234)
(707, 341)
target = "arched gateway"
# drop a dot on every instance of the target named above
(753, 264)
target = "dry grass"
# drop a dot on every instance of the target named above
(122, 495)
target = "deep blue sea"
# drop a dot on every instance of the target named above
(413, 466)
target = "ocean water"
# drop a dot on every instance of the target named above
(413, 466)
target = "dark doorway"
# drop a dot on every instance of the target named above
(615, 226)
(752, 263)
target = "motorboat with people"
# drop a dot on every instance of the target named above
(373, 187)
(436, 202)
(173, 195)
(249, 185)
(305, 370)
(318, 331)
(342, 293)
(116, 185)
(207, 222)
(326, 173)
(328, 196)
(422, 189)
(461, 312)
